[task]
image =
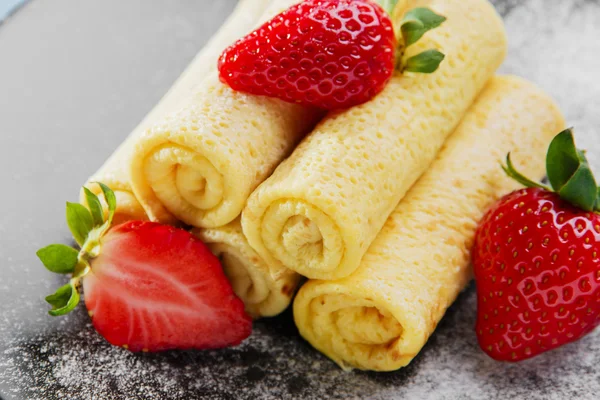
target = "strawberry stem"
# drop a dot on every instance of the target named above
(399, 63)
(82, 269)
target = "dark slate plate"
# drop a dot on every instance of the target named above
(76, 75)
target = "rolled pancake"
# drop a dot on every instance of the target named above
(380, 317)
(199, 165)
(265, 292)
(321, 209)
(115, 171)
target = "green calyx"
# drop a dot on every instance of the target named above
(568, 171)
(388, 5)
(426, 62)
(413, 26)
(417, 22)
(88, 226)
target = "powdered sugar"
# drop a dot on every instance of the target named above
(79, 364)
(552, 42)
(276, 364)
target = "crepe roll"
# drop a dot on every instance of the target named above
(115, 171)
(265, 292)
(200, 164)
(322, 208)
(380, 317)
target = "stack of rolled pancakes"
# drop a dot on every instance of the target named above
(376, 205)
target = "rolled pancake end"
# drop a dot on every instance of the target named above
(380, 316)
(115, 172)
(322, 208)
(200, 164)
(266, 291)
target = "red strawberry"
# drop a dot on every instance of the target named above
(536, 260)
(148, 287)
(325, 53)
(156, 287)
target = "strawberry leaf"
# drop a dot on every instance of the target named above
(95, 207)
(388, 5)
(111, 201)
(59, 258)
(64, 300)
(569, 172)
(417, 22)
(562, 160)
(80, 222)
(580, 190)
(426, 62)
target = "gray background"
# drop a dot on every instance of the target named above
(7, 7)
(77, 75)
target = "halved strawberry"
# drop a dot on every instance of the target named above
(148, 287)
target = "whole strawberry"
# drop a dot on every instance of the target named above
(327, 53)
(536, 260)
(148, 287)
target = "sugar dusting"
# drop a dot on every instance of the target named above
(554, 43)
(78, 364)
(276, 364)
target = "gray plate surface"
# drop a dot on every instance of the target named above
(77, 75)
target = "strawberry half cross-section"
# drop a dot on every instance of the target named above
(148, 287)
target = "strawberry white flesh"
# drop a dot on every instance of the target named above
(155, 288)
